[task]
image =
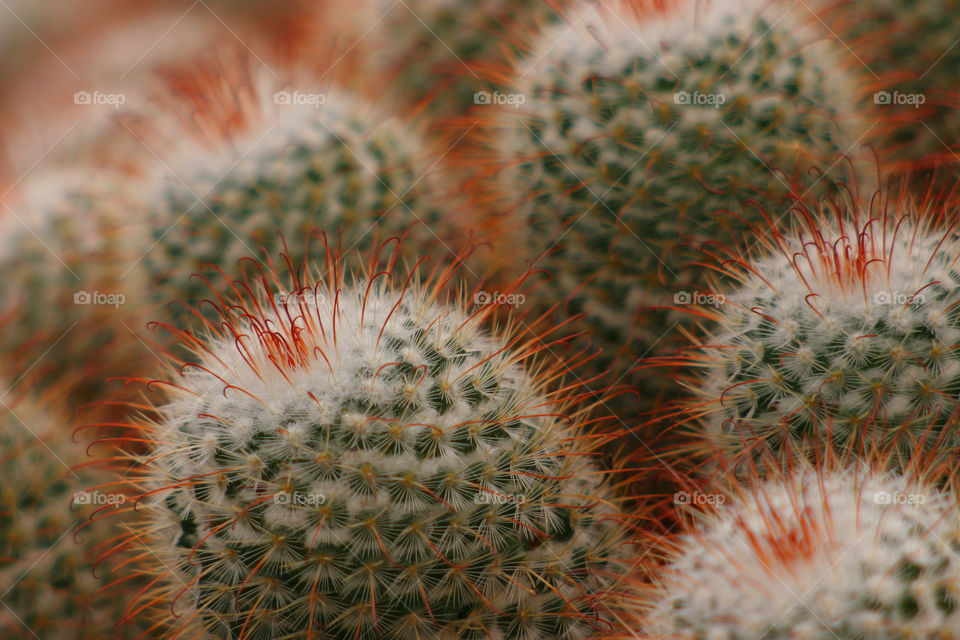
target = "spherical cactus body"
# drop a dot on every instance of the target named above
(819, 556)
(357, 459)
(638, 140)
(63, 254)
(304, 161)
(838, 338)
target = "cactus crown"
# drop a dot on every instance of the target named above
(817, 555)
(637, 140)
(357, 458)
(305, 159)
(837, 338)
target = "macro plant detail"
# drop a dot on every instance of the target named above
(818, 555)
(904, 49)
(837, 337)
(303, 160)
(640, 140)
(46, 540)
(357, 457)
(479, 320)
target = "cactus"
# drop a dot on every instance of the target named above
(434, 51)
(819, 556)
(47, 547)
(837, 338)
(305, 161)
(63, 238)
(356, 459)
(637, 140)
(906, 50)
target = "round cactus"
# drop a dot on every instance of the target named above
(305, 161)
(62, 242)
(637, 140)
(355, 459)
(818, 556)
(47, 549)
(838, 338)
(906, 50)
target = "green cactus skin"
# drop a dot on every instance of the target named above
(47, 545)
(335, 165)
(634, 136)
(369, 462)
(838, 339)
(819, 556)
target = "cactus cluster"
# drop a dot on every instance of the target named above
(818, 556)
(368, 460)
(638, 140)
(341, 434)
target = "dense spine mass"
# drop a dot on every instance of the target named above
(638, 141)
(840, 338)
(436, 50)
(305, 162)
(820, 556)
(47, 544)
(905, 50)
(366, 461)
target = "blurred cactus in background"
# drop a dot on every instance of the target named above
(269, 165)
(47, 546)
(639, 139)
(436, 53)
(63, 238)
(906, 53)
